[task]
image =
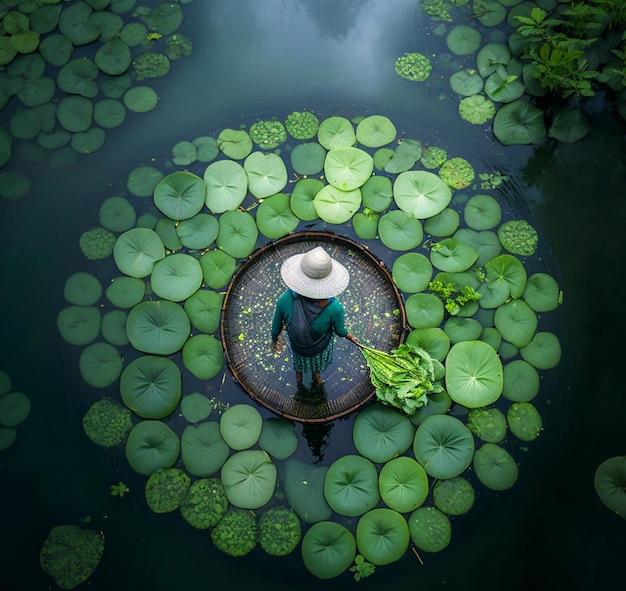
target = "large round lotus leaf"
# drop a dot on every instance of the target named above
(37, 92)
(241, 426)
(79, 325)
(151, 386)
(348, 168)
(466, 82)
(140, 99)
(375, 131)
(14, 409)
(304, 486)
(125, 292)
(75, 113)
(164, 18)
(206, 148)
(452, 256)
(569, 125)
(234, 143)
(495, 467)
(184, 153)
(403, 484)
(542, 293)
(78, 77)
(117, 214)
(159, 327)
(113, 57)
(516, 322)
(421, 193)
(59, 138)
(328, 549)
(444, 446)
(82, 289)
(610, 484)
(74, 23)
(217, 268)
(488, 424)
(114, 327)
(303, 196)
(521, 381)
(382, 536)
(176, 277)
(275, 218)
(381, 433)
(14, 184)
(400, 231)
(463, 40)
(443, 224)
(486, 243)
(100, 364)
(462, 329)
(280, 531)
(70, 554)
(519, 122)
(56, 49)
(137, 250)
(205, 503)
(26, 124)
(7, 437)
(249, 478)
(491, 56)
(143, 180)
(114, 87)
(424, 310)
(198, 232)
(203, 309)
(165, 489)
(195, 407)
(474, 374)
(509, 271)
(351, 485)
(404, 157)
(476, 109)
(88, 141)
(524, 421)
(203, 450)
(203, 356)
(278, 437)
(543, 352)
(44, 19)
(365, 225)
(109, 24)
(503, 87)
(180, 195)
(336, 132)
(166, 229)
(490, 13)
(237, 233)
(482, 212)
(266, 173)
(430, 529)
(336, 206)
(433, 340)
(377, 193)
(308, 158)
(454, 496)
(151, 445)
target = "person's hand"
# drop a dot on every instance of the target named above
(352, 338)
(275, 347)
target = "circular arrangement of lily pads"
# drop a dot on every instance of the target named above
(65, 101)
(152, 335)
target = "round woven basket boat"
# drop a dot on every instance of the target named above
(374, 315)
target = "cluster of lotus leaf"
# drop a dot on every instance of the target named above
(174, 242)
(71, 70)
(491, 80)
(14, 410)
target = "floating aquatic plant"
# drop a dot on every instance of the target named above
(413, 66)
(457, 173)
(236, 533)
(477, 109)
(107, 423)
(268, 134)
(518, 237)
(302, 125)
(119, 489)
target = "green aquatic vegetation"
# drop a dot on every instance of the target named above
(178, 46)
(362, 568)
(454, 296)
(150, 65)
(268, 134)
(433, 157)
(405, 377)
(119, 489)
(107, 423)
(413, 66)
(477, 109)
(97, 243)
(70, 554)
(302, 125)
(518, 237)
(204, 504)
(166, 488)
(237, 533)
(491, 180)
(279, 531)
(457, 173)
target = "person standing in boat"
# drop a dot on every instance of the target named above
(310, 311)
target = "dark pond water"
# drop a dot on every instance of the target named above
(254, 60)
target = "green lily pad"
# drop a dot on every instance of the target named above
(79, 325)
(494, 467)
(203, 451)
(140, 99)
(463, 40)
(521, 381)
(74, 113)
(198, 232)
(399, 230)
(308, 158)
(328, 549)
(151, 445)
(377, 193)
(443, 224)
(375, 131)
(100, 364)
(412, 272)
(452, 256)
(278, 437)
(424, 310)
(477, 109)
(78, 77)
(203, 356)
(348, 168)
(234, 143)
(336, 206)
(382, 536)
(519, 122)
(159, 327)
(137, 250)
(542, 292)
(237, 233)
(217, 268)
(569, 125)
(304, 487)
(516, 322)
(610, 484)
(74, 23)
(524, 421)
(125, 292)
(403, 484)
(302, 198)
(543, 352)
(466, 82)
(143, 180)
(249, 478)
(434, 341)
(430, 529)
(241, 426)
(82, 289)
(195, 407)
(404, 157)
(454, 496)
(227, 184)
(14, 409)
(266, 174)
(421, 193)
(113, 57)
(275, 218)
(351, 485)
(336, 132)
(488, 424)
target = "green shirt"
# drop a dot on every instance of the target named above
(331, 316)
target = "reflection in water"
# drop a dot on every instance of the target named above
(333, 18)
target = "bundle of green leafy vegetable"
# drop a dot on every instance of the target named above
(405, 377)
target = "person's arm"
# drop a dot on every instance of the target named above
(339, 322)
(277, 321)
